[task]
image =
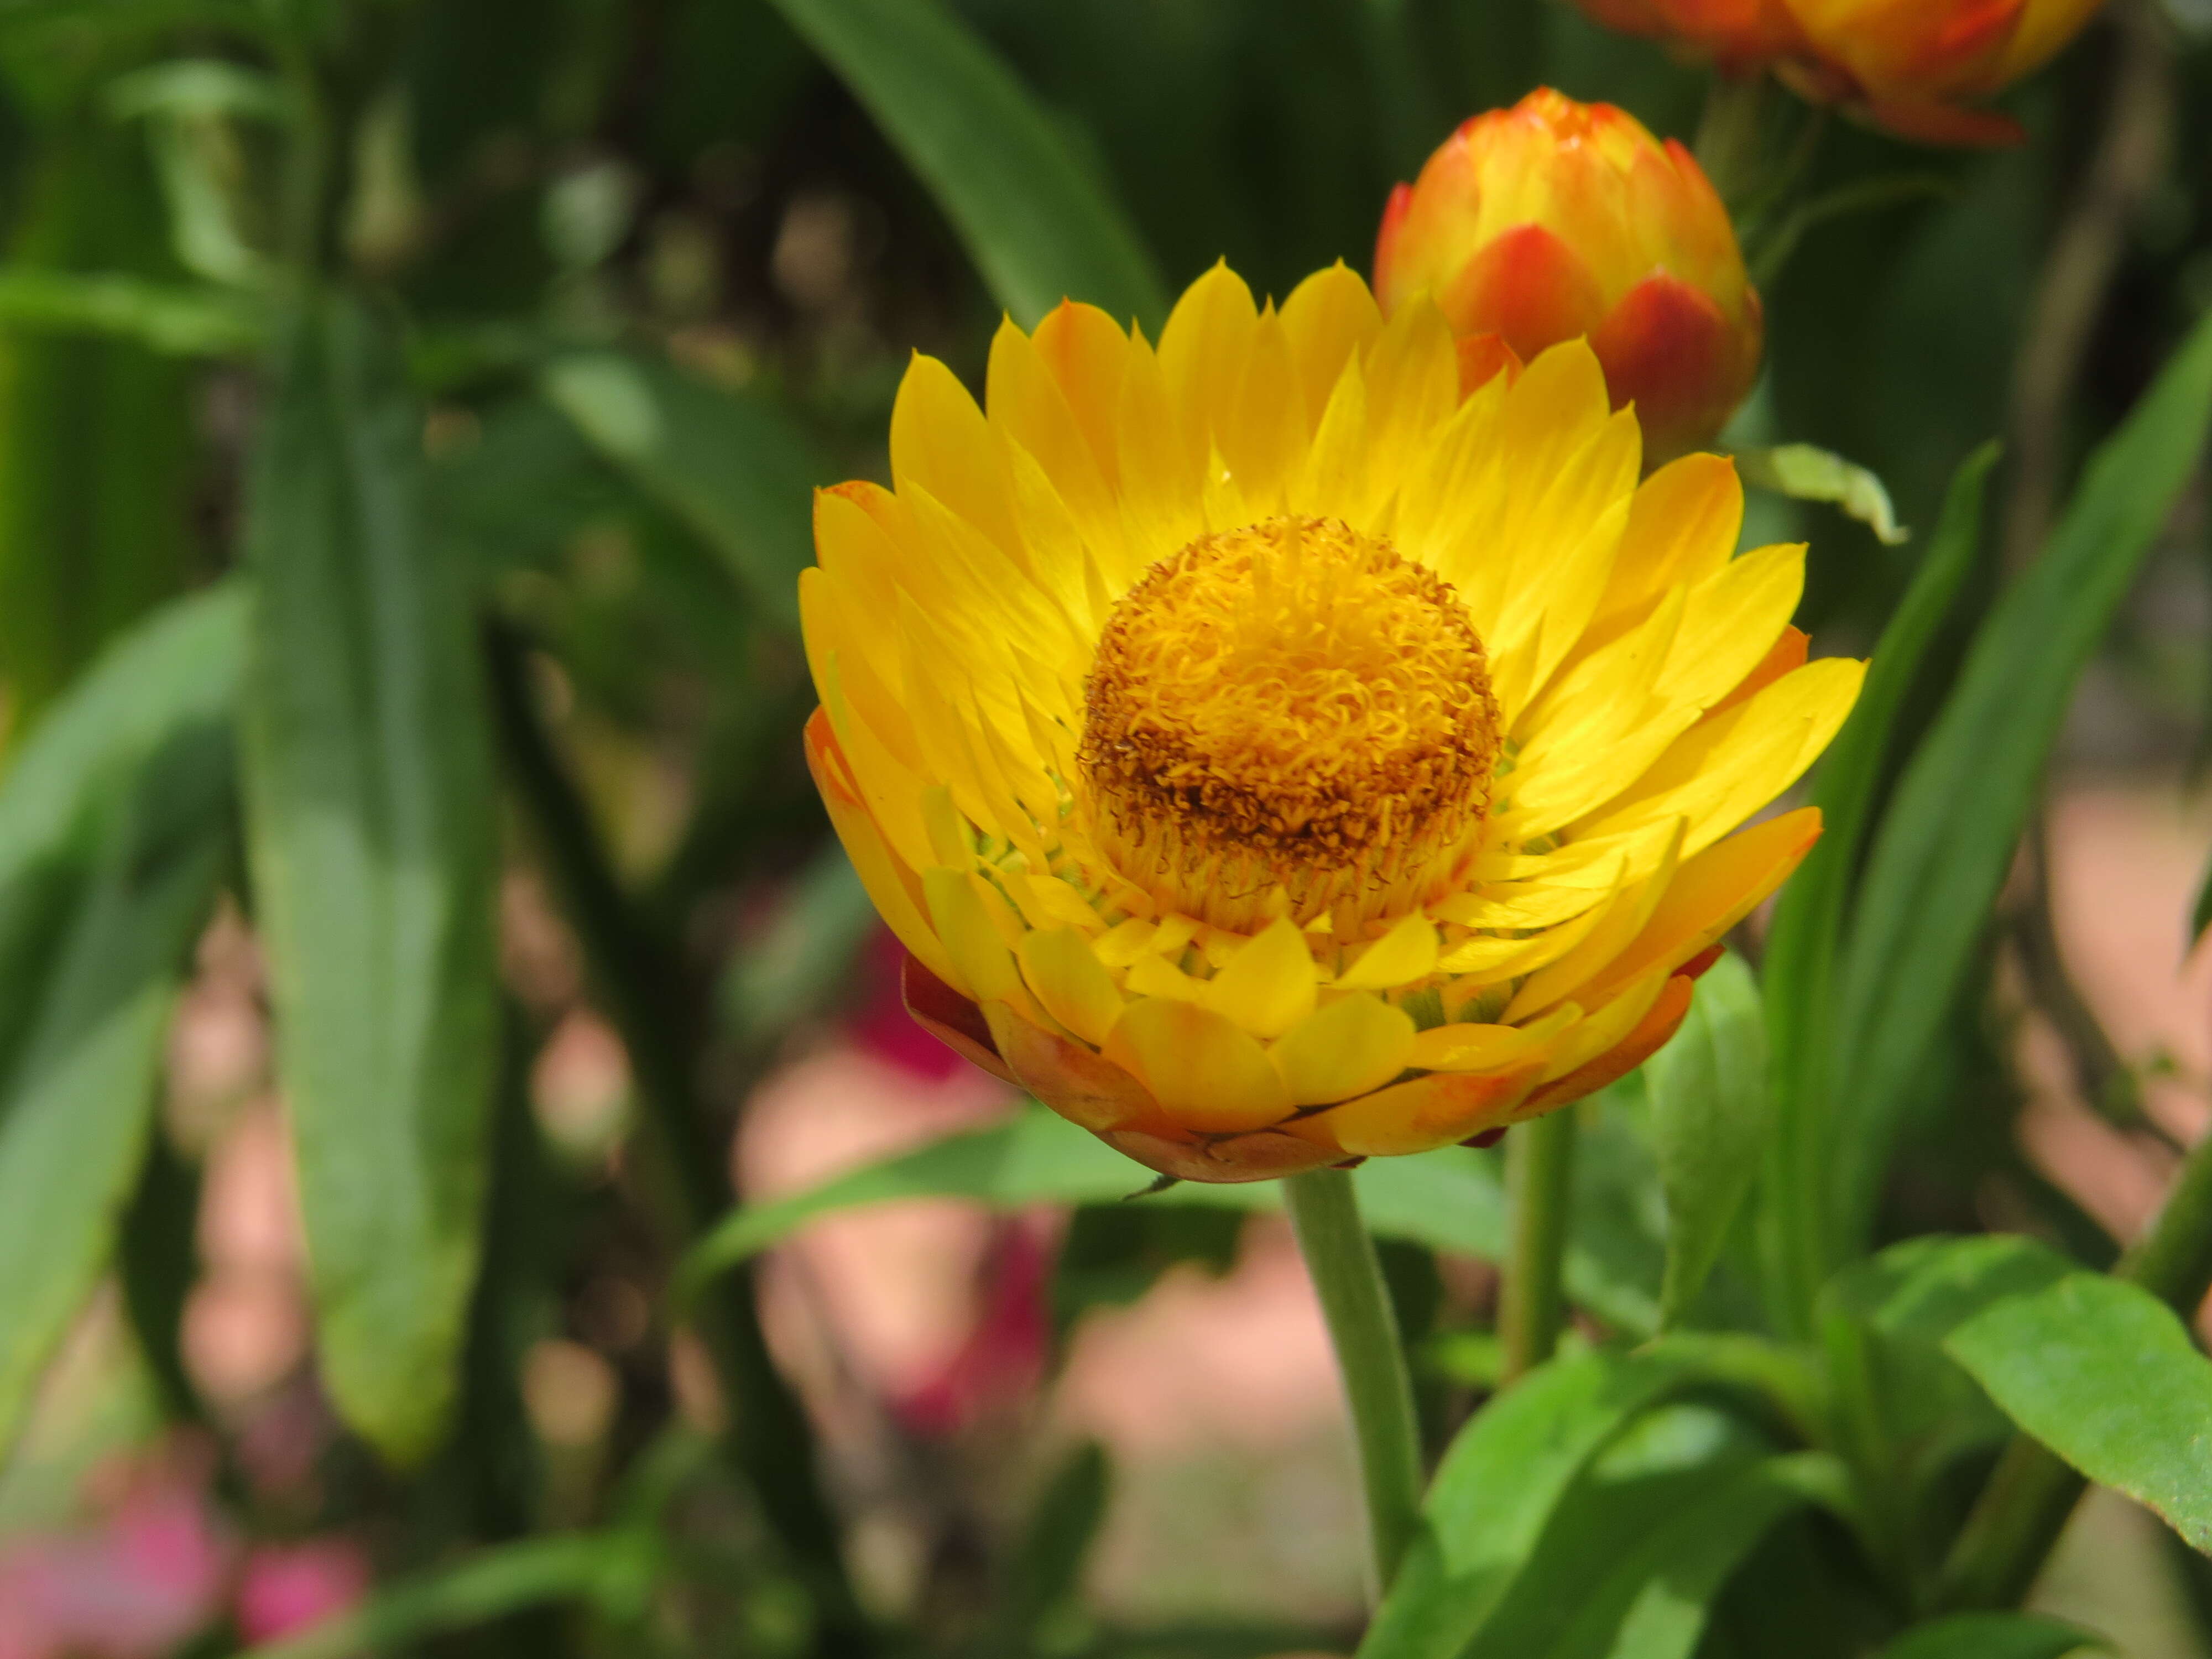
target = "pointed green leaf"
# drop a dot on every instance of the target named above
(1993, 1636)
(1709, 1098)
(731, 465)
(1039, 225)
(2104, 1375)
(369, 813)
(1800, 964)
(114, 823)
(1499, 1487)
(1948, 840)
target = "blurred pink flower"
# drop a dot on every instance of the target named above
(285, 1589)
(882, 1027)
(132, 1587)
(1003, 1356)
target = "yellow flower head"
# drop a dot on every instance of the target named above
(1270, 758)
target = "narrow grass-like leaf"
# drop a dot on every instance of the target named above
(370, 820)
(1949, 838)
(2104, 1375)
(1708, 1100)
(1799, 969)
(114, 823)
(1040, 226)
(1451, 1200)
(609, 1570)
(732, 466)
(1993, 1636)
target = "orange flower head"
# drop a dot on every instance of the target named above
(1555, 220)
(1916, 67)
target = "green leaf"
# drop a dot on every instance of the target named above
(1046, 1570)
(731, 465)
(804, 955)
(174, 318)
(610, 1570)
(1804, 472)
(2106, 1375)
(1039, 225)
(1496, 1490)
(1452, 1200)
(114, 823)
(1802, 946)
(1948, 840)
(1708, 1096)
(1993, 1635)
(1655, 1601)
(370, 820)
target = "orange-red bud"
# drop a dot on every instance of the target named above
(1554, 219)
(1917, 67)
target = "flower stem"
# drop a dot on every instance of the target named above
(1348, 1279)
(2032, 1493)
(1731, 143)
(1539, 1174)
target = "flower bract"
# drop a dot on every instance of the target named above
(1531, 225)
(1918, 68)
(1272, 758)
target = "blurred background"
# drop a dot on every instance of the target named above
(684, 183)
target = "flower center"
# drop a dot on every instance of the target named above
(1292, 706)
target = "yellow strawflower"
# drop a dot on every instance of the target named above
(1270, 759)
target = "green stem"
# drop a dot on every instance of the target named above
(685, 1164)
(1540, 1176)
(1731, 143)
(2032, 1493)
(1348, 1279)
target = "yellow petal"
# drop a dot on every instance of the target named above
(984, 967)
(1406, 953)
(1723, 769)
(1268, 985)
(1422, 1115)
(1330, 318)
(1207, 1075)
(891, 885)
(941, 441)
(1203, 351)
(1730, 621)
(1712, 892)
(1485, 1048)
(1682, 529)
(1603, 1028)
(1066, 976)
(1028, 405)
(1086, 351)
(1355, 1044)
(1626, 918)
(1154, 975)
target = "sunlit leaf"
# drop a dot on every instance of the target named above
(370, 819)
(1039, 225)
(1709, 1112)
(1944, 847)
(114, 823)
(2106, 1375)
(1498, 1488)
(1805, 473)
